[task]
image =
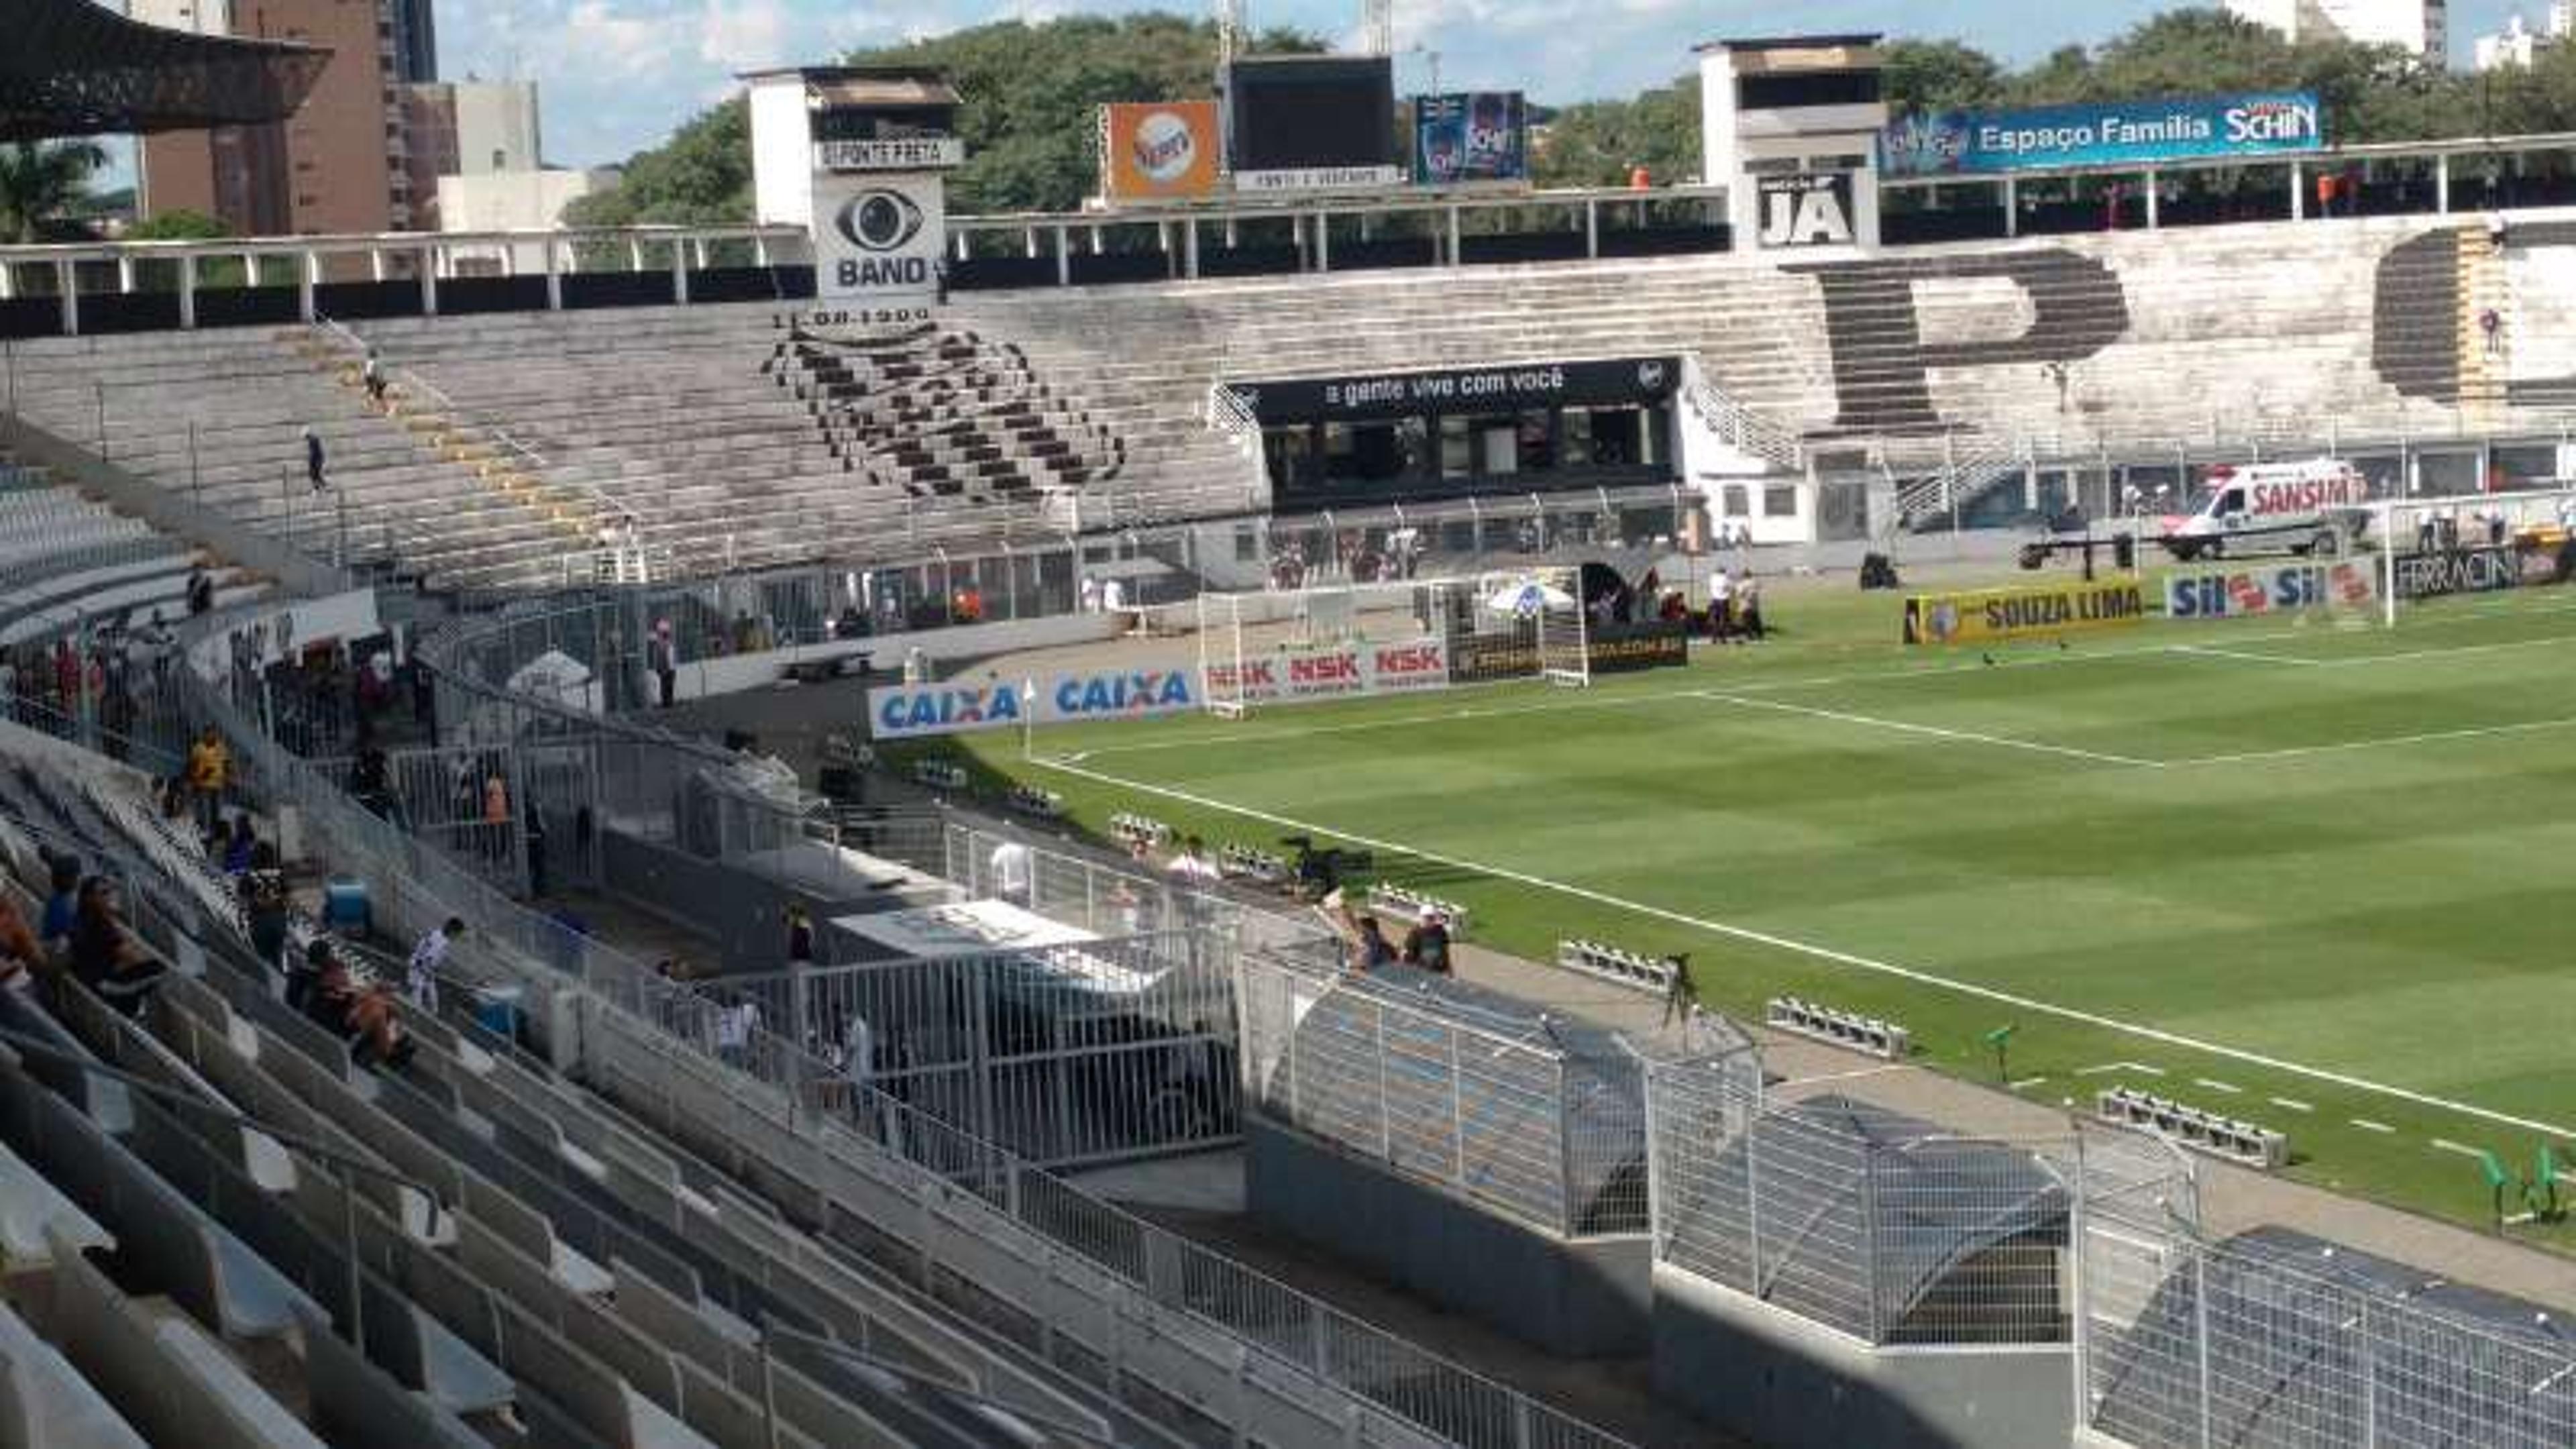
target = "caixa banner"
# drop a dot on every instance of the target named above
(915, 711)
(2288, 588)
(1341, 672)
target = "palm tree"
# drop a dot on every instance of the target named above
(39, 180)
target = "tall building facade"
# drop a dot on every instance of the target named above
(468, 128)
(340, 164)
(2418, 27)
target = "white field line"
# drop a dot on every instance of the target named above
(2139, 1067)
(2445, 1144)
(2339, 747)
(2366, 1125)
(2212, 651)
(2215, 1085)
(1872, 721)
(2026, 1083)
(2292, 1104)
(1829, 954)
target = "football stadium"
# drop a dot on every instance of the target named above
(1136, 731)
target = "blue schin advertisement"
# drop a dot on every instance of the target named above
(1481, 136)
(1985, 143)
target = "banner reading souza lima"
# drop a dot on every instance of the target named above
(1989, 616)
(1987, 143)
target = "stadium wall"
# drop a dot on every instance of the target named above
(1778, 1379)
(1575, 1298)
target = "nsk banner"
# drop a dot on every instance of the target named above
(2273, 589)
(1973, 143)
(1984, 616)
(1333, 673)
(908, 711)
(2458, 571)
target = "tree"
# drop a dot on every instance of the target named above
(1939, 75)
(1027, 92)
(180, 225)
(1598, 143)
(40, 181)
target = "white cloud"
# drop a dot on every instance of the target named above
(740, 34)
(597, 37)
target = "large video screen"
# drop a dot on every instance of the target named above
(1307, 113)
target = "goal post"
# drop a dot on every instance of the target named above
(1281, 645)
(2471, 543)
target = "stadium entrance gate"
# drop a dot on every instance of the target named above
(1292, 645)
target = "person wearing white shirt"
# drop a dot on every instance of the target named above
(428, 960)
(734, 1026)
(1721, 605)
(1013, 868)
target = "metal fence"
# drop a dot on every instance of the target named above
(2281, 1341)
(1889, 1229)
(1535, 1118)
(1040, 1226)
(1095, 1051)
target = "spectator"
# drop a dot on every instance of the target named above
(429, 961)
(210, 768)
(661, 660)
(21, 954)
(373, 375)
(62, 906)
(1427, 944)
(2495, 232)
(305, 973)
(1013, 867)
(2327, 183)
(1090, 594)
(243, 849)
(734, 1025)
(313, 459)
(371, 782)
(219, 843)
(1721, 606)
(533, 831)
(373, 1026)
(262, 892)
(201, 590)
(800, 936)
(105, 955)
(496, 814)
(1367, 943)
(332, 991)
(1748, 609)
(1192, 866)
(2491, 327)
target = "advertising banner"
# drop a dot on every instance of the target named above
(890, 153)
(1639, 380)
(1990, 616)
(1471, 137)
(878, 238)
(1318, 178)
(1805, 209)
(1988, 143)
(1335, 672)
(1628, 648)
(2458, 571)
(915, 711)
(1159, 151)
(2271, 589)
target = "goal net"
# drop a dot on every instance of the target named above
(2473, 543)
(1284, 646)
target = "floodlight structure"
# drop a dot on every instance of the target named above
(74, 68)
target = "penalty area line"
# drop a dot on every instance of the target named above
(1871, 721)
(1829, 954)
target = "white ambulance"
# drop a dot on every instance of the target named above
(2273, 508)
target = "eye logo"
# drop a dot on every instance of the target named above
(879, 221)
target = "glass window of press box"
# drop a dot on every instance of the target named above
(1447, 455)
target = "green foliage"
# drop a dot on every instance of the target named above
(41, 181)
(178, 226)
(1029, 93)
(1597, 143)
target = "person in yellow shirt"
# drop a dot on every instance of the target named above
(210, 769)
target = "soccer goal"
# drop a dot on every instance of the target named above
(1283, 646)
(2471, 543)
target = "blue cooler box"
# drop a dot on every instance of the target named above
(496, 1010)
(344, 905)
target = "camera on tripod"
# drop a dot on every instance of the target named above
(1318, 870)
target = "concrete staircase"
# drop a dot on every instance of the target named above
(2485, 284)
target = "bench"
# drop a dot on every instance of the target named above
(1882, 1039)
(1622, 968)
(1249, 862)
(1131, 829)
(2245, 1143)
(1415, 906)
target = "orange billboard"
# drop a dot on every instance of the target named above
(1158, 150)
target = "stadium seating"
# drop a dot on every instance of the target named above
(216, 417)
(65, 559)
(531, 1263)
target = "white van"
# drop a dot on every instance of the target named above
(2273, 508)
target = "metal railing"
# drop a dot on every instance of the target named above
(621, 530)
(1044, 1220)
(1743, 429)
(1530, 1117)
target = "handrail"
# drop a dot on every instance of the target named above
(1741, 427)
(620, 539)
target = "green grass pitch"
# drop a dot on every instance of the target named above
(2328, 865)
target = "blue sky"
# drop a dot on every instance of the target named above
(618, 75)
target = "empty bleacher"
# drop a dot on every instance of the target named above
(65, 559)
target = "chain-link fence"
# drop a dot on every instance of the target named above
(2279, 1340)
(1533, 1116)
(1886, 1228)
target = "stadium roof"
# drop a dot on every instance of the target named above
(73, 68)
